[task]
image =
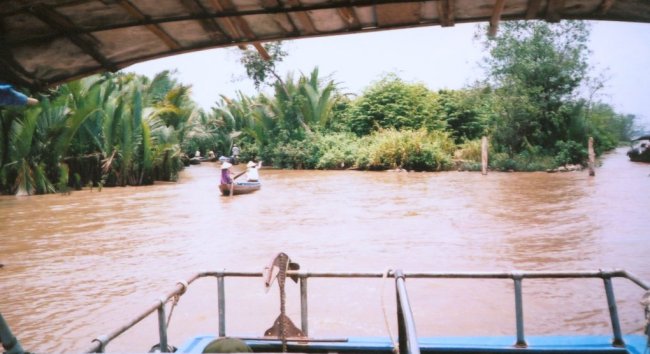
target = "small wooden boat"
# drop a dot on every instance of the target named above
(240, 188)
(208, 159)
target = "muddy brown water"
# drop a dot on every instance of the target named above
(79, 266)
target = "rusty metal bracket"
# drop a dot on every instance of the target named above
(282, 327)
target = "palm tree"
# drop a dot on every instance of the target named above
(7, 119)
(29, 173)
(80, 145)
(166, 150)
(123, 128)
(317, 107)
(263, 123)
(38, 141)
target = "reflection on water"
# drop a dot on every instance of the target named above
(78, 266)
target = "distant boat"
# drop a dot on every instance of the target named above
(198, 160)
(240, 188)
(640, 151)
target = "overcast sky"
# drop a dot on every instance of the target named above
(438, 57)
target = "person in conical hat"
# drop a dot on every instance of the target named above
(251, 172)
(225, 173)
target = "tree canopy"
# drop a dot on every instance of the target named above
(536, 68)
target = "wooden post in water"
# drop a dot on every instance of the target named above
(592, 157)
(484, 155)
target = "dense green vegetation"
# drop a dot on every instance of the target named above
(123, 129)
(112, 130)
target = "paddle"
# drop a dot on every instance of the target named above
(232, 185)
(239, 175)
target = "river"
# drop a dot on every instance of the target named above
(80, 265)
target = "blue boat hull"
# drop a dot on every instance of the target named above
(634, 344)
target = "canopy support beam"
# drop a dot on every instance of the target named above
(239, 27)
(553, 10)
(446, 13)
(532, 10)
(347, 13)
(605, 6)
(496, 17)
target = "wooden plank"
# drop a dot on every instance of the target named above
(446, 12)
(397, 14)
(275, 5)
(209, 25)
(496, 17)
(154, 28)
(239, 27)
(350, 17)
(269, 4)
(63, 25)
(227, 21)
(605, 6)
(302, 17)
(229, 24)
(533, 9)
(553, 10)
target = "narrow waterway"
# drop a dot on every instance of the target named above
(80, 265)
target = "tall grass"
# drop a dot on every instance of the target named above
(417, 150)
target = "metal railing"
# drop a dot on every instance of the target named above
(407, 336)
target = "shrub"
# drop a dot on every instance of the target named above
(297, 154)
(412, 150)
(337, 150)
(470, 150)
(520, 162)
(393, 103)
(569, 152)
(502, 162)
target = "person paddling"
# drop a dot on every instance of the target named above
(225, 173)
(252, 173)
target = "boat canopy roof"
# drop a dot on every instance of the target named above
(48, 42)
